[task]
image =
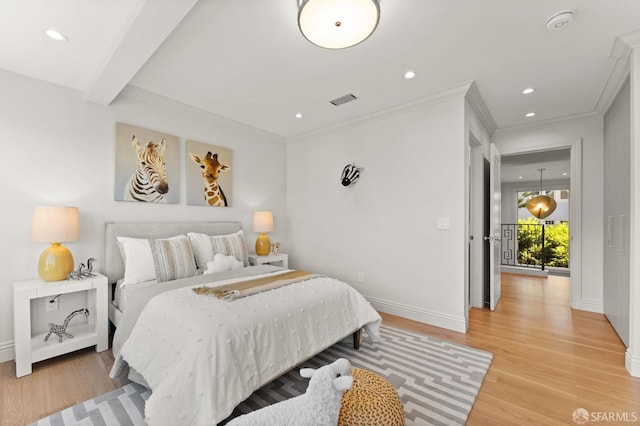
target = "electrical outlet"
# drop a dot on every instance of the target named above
(360, 277)
(52, 304)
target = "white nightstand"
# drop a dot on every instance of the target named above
(32, 348)
(279, 259)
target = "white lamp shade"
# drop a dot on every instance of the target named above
(55, 224)
(337, 24)
(263, 221)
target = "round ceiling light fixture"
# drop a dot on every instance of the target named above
(337, 24)
(541, 206)
(559, 20)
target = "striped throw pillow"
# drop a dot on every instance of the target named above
(231, 245)
(173, 258)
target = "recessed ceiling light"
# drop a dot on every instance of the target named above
(409, 75)
(520, 177)
(299, 115)
(530, 114)
(56, 35)
(528, 91)
(565, 174)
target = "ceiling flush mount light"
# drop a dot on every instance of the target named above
(337, 24)
(409, 75)
(56, 35)
(530, 114)
(528, 91)
(541, 206)
(559, 20)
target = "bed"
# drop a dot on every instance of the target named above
(201, 355)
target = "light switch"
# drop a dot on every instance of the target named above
(443, 223)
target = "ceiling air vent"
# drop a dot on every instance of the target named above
(344, 99)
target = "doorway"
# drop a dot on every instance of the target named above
(534, 245)
(478, 204)
(571, 154)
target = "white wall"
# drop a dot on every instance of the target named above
(590, 131)
(385, 224)
(59, 149)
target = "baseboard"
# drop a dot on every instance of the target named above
(6, 351)
(426, 316)
(524, 271)
(632, 363)
(590, 305)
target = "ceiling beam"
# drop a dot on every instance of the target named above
(146, 32)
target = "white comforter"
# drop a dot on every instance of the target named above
(202, 356)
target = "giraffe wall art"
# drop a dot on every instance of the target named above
(147, 165)
(209, 177)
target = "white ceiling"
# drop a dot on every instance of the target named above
(246, 60)
(525, 168)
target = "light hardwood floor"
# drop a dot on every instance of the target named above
(548, 361)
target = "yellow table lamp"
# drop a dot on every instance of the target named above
(52, 224)
(263, 223)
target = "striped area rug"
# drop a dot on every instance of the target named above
(436, 380)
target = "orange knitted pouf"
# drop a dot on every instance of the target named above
(371, 401)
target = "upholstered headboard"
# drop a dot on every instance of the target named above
(114, 267)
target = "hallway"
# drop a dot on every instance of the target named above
(549, 360)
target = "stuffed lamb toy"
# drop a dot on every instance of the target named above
(318, 406)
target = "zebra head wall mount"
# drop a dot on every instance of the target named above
(350, 174)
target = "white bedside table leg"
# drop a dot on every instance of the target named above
(102, 324)
(22, 336)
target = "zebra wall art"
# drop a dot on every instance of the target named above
(149, 182)
(147, 165)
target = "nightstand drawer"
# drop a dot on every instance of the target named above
(280, 259)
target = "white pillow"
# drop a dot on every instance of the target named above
(221, 263)
(202, 248)
(138, 260)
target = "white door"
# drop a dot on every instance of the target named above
(495, 290)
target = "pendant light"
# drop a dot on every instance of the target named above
(337, 24)
(541, 206)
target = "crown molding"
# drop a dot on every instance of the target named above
(620, 51)
(551, 122)
(480, 108)
(153, 98)
(433, 99)
(617, 77)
